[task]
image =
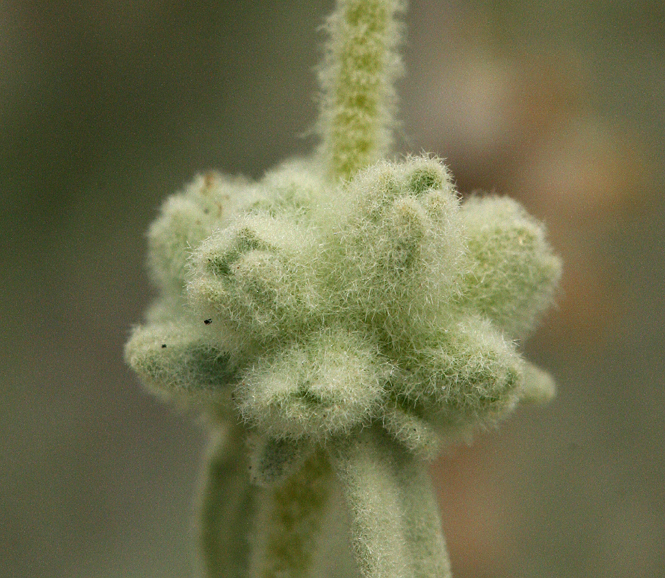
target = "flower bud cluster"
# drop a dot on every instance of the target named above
(321, 308)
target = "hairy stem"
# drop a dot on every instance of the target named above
(396, 531)
(288, 522)
(357, 80)
(225, 502)
(427, 547)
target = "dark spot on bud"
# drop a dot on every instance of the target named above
(207, 321)
(209, 179)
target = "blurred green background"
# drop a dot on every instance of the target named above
(106, 107)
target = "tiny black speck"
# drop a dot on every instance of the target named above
(207, 321)
(163, 345)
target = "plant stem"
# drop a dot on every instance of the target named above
(396, 530)
(288, 522)
(226, 500)
(357, 80)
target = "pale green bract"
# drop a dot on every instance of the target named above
(344, 314)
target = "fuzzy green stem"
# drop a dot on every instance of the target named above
(288, 522)
(427, 547)
(357, 79)
(396, 531)
(226, 500)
